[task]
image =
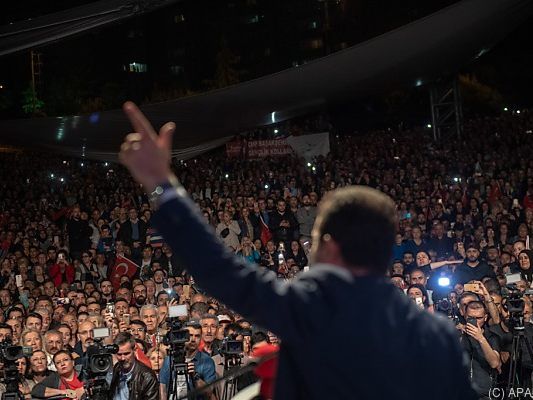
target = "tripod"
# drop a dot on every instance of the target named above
(231, 361)
(516, 373)
(96, 389)
(11, 379)
(180, 381)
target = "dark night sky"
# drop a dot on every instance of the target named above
(506, 68)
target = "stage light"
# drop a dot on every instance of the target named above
(444, 281)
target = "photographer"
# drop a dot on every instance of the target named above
(25, 385)
(131, 379)
(64, 382)
(482, 347)
(200, 366)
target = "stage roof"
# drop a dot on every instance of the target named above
(414, 54)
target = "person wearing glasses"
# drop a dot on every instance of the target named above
(64, 382)
(482, 347)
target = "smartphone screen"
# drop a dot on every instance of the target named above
(471, 287)
(126, 319)
(186, 291)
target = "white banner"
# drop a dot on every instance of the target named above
(310, 146)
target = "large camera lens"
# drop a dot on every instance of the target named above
(100, 363)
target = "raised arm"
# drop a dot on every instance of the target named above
(256, 293)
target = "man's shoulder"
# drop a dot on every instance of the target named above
(143, 369)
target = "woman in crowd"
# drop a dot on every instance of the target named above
(297, 253)
(25, 385)
(38, 366)
(64, 382)
(524, 261)
(419, 295)
(248, 252)
(32, 338)
(156, 356)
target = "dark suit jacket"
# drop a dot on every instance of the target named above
(125, 232)
(342, 337)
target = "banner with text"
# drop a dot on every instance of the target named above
(303, 146)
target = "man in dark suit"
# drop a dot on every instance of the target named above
(133, 231)
(344, 299)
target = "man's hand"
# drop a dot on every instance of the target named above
(144, 153)
(108, 319)
(474, 331)
(190, 368)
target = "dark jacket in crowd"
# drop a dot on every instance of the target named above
(465, 273)
(143, 385)
(386, 341)
(125, 232)
(79, 234)
(280, 233)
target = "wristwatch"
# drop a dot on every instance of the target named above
(164, 192)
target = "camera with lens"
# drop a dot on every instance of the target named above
(99, 363)
(176, 335)
(514, 305)
(231, 346)
(100, 358)
(9, 354)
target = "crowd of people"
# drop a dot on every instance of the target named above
(465, 216)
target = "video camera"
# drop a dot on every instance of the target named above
(99, 363)
(176, 335)
(9, 354)
(514, 305)
(231, 346)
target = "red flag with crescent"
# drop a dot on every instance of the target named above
(123, 267)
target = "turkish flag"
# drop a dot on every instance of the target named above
(123, 266)
(266, 235)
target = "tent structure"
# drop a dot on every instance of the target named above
(414, 54)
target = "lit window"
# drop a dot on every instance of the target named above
(137, 67)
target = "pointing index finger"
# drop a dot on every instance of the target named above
(138, 120)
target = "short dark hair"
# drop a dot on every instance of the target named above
(199, 307)
(362, 221)
(138, 322)
(476, 305)
(6, 326)
(259, 337)
(68, 353)
(35, 315)
(125, 337)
